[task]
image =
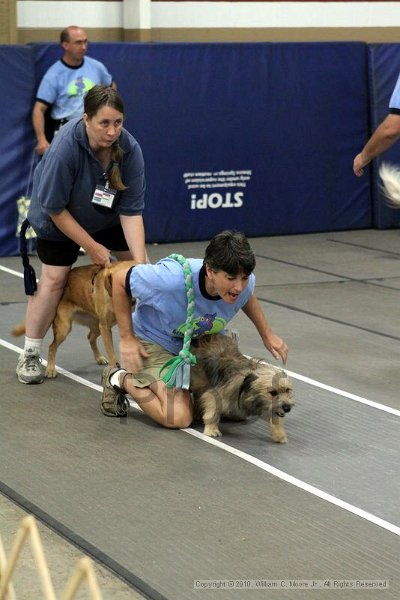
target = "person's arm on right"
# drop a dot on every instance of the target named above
(383, 137)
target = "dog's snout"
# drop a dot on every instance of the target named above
(286, 407)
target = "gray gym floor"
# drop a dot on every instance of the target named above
(173, 514)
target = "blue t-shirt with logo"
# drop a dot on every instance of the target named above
(161, 303)
(63, 87)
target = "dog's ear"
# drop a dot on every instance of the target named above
(247, 383)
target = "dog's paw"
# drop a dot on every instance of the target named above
(279, 437)
(212, 431)
(101, 360)
(50, 372)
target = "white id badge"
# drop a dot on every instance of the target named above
(104, 196)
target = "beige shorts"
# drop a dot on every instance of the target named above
(158, 356)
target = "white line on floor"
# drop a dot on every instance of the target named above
(252, 460)
(59, 369)
(298, 482)
(339, 392)
(11, 271)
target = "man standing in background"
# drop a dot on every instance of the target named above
(383, 137)
(64, 85)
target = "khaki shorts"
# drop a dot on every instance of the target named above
(158, 356)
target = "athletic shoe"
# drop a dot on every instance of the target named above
(30, 369)
(113, 400)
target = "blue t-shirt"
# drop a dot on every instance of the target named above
(63, 87)
(161, 303)
(67, 176)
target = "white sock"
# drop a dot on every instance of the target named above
(115, 378)
(32, 346)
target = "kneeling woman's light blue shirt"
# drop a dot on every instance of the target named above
(161, 307)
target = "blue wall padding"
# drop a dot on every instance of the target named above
(273, 127)
(293, 114)
(384, 65)
(16, 139)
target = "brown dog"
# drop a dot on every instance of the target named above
(226, 383)
(87, 299)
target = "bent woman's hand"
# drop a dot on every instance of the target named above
(98, 254)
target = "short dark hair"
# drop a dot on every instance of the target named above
(230, 251)
(65, 34)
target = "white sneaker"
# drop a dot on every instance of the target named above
(30, 369)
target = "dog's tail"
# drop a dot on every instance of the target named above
(390, 186)
(19, 329)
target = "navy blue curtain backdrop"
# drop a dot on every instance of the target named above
(16, 142)
(384, 60)
(257, 137)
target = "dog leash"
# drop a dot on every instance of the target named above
(29, 272)
(178, 367)
(23, 202)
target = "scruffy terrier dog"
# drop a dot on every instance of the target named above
(224, 383)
